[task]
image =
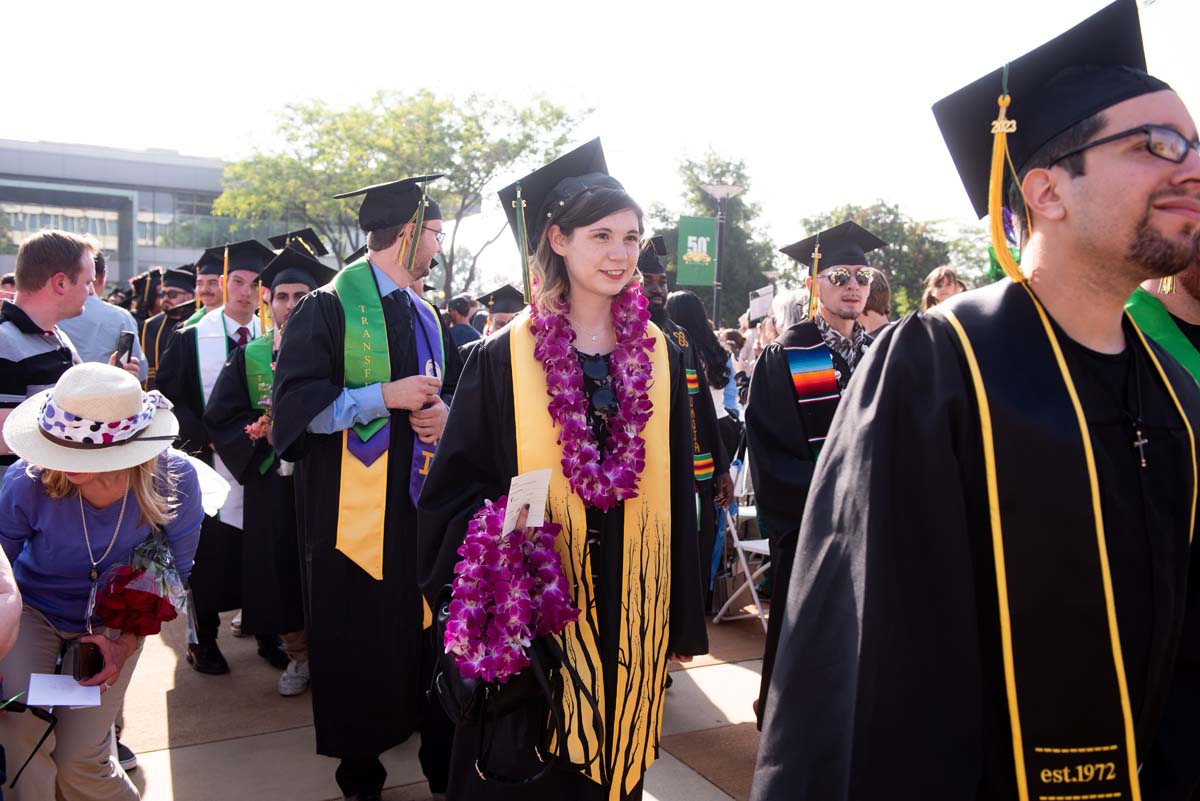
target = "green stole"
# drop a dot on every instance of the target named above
(363, 487)
(1068, 700)
(618, 758)
(1156, 322)
(260, 374)
(196, 315)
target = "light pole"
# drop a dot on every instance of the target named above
(721, 193)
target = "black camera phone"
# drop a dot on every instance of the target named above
(124, 347)
(88, 660)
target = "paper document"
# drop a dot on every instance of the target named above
(528, 488)
(50, 689)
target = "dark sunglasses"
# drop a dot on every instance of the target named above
(604, 400)
(840, 276)
(1166, 143)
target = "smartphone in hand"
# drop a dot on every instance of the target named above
(124, 347)
(88, 660)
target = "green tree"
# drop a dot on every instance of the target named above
(914, 248)
(326, 151)
(746, 252)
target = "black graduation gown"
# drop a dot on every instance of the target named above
(216, 580)
(270, 547)
(707, 438)
(778, 432)
(156, 334)
(364, 636)
(477, 459)
(889, 680)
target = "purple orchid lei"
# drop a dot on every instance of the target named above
(601, 484)
(507, 590)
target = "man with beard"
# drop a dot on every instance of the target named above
(711, 461)
(798, 381)
(234, 416)
(992, 596)
(1170, 317)
(209, 269)
(186, 375)
(364, 374)
(179, 288)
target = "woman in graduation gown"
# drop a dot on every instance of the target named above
(634, 565)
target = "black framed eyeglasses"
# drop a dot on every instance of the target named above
(438, 235)
(1166, 143)
(840, 276)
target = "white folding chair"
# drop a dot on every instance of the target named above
(746, 551)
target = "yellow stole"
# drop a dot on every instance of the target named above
(618, 758)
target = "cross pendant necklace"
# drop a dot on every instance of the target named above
(1140, 443)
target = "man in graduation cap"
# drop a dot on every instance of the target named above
(991, 597)
(502, 304)
(709, 457)
(797, 385)
(237, 417)
(361, 385)
(146, 288)
(210, 268)
(179, 290)
(186, 375)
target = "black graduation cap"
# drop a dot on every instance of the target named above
(394, 203)
(146, 284)
(307, 236)
(1097, 64)
(211, 261)
(249, 254)
(547, 189)
(294, 265)
(505, 300)
(845, 244)
(356, 255)
(650, 260)
(180, 278)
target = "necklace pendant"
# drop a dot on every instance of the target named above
(1140, 443)
(94, 574)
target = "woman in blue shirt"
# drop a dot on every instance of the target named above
(95, 479)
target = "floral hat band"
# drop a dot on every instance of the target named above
(73, 431)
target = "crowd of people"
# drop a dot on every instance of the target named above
(980, 517)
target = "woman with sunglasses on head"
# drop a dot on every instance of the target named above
(797, 384)
(94, 481)
(584, 385)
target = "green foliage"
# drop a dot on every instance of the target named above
(325, 151)
(914, 249)
(7, 246)
(745, 252)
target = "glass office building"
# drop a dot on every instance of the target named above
(147, 208)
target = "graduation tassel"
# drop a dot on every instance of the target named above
(1166, 285)
(523, 244)
(225, 279)
(264, 311)
(1002, 126)
(407, 256)
(812, 289)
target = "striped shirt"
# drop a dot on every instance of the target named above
(30, 359)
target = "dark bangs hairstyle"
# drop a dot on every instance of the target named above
(548, 268)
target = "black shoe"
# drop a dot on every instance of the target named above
(271, 649)
(206, 657)
(364, 797)
(126, 757)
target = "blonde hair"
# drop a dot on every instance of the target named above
(153, 488)
(548, 270)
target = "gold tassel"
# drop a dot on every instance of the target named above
(1002, 126)
(407, 254)
(812, 290)
(264, 311)
(523, 246)
(1166, 285)
(225, 280)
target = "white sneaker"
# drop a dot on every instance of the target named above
(294, 680)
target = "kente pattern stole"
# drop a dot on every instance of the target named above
(1068, 699)
(618, 757)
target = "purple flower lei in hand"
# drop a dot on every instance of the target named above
(601, 484)
(508, 589)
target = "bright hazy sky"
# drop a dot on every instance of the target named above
(827, 101)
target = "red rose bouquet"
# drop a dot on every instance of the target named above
(142, 595)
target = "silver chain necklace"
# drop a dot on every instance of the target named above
(94, 574)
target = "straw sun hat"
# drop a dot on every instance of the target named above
(95, 419)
